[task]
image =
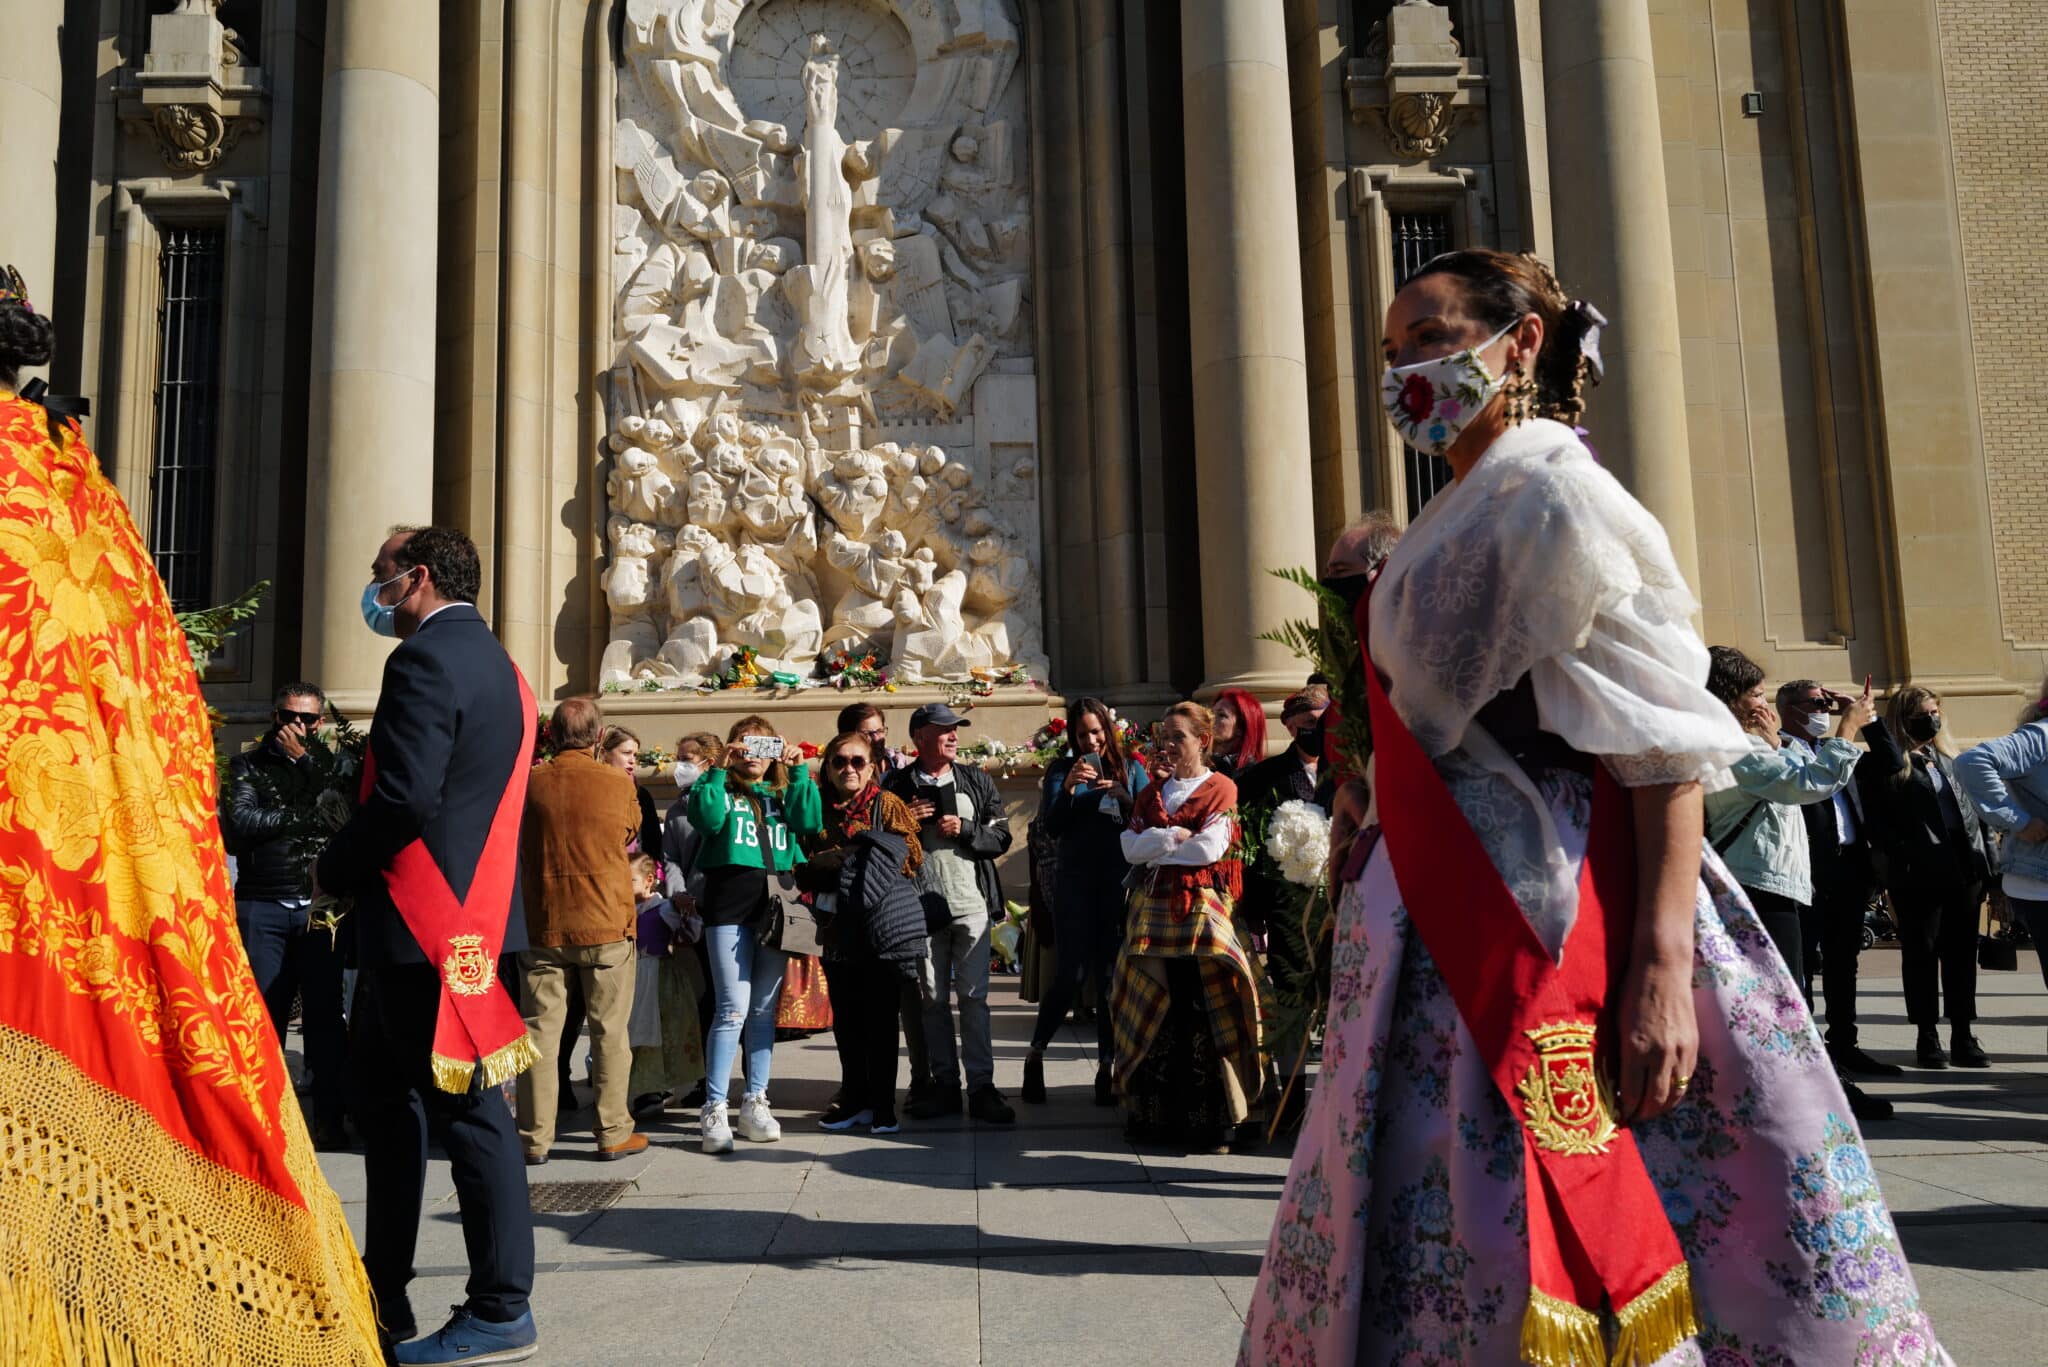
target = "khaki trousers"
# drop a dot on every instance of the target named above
(605, 974)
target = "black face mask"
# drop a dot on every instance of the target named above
(1310, 742)
(1924, 727)
(1349, 587)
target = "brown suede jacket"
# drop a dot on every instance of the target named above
(580, 815)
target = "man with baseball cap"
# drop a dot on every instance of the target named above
(964, 830)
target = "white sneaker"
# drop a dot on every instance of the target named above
(756, 1123)
(717, 1127)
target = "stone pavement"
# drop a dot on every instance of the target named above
(1056, 1242)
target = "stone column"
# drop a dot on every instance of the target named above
(30, 84)
(370, 425)
(1611, 222)
(1249, 344)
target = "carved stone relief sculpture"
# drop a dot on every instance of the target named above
(824, 381)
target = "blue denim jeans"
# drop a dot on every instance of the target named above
(746, 983)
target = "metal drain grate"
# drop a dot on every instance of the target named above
(574, 1198)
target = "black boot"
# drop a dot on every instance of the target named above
(1034, 1078)
(1105, 1087)
(1963, 1049)
(1929, 1050)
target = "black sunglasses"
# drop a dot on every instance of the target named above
(848, 761)
(308, 719)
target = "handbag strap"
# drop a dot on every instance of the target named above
(1727, 842)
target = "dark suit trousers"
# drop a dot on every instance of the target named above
(1938, 950)
(290, 959)
(396, 1107)
(1834, 934)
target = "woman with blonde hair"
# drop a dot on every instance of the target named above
(1184, 999)
(2008, 780)
(749, 816)
(1937, 864)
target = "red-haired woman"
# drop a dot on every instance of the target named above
(1240, 739)
(1087, 799)
(1185, 1007)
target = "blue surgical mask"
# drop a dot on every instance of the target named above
(379, 618)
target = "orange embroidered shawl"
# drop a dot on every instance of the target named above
(160, 1201)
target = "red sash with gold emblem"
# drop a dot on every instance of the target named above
(479, 1025)
(1597, 1232)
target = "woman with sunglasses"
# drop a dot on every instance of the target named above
(866, 988)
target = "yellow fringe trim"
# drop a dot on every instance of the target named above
(500, 1066)
(120, 1245)
(1557, 1333)
(1657, 1321)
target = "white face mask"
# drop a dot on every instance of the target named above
(686, 774)
(1816, 725)
(1431, 402)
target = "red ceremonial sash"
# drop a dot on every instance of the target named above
(1597, 1231)
(479, 1024)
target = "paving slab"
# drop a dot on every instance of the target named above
(1056, 1241)
(1160, 1306)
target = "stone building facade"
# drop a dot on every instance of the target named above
(1036, 331)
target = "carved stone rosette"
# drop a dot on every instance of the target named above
(193, 137)
(1420, 124)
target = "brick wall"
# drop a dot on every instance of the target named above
(1995, 66)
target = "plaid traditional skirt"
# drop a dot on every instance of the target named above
(1141, 997)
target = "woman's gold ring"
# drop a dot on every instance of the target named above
(1684, 1081)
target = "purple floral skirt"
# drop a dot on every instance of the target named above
(1401, 1236)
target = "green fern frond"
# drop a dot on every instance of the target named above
(209, 629)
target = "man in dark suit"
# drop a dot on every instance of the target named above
(1843, 879)
(445, 748)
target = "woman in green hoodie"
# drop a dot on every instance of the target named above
(749, 815)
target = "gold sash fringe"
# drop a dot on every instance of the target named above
(500, 1066)
(121, 1245)
(1556, 1333)
(1657, 1321)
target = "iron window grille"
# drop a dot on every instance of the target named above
(182, 467)
(1418, 236)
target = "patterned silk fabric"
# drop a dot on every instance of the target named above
(160, 1201)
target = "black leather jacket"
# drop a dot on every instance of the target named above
(257, 830)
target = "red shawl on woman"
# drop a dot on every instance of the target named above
(1213, 797)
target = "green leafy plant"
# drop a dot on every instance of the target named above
(209, 629)
(1330, 645)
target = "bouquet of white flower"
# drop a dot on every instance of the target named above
(1298, 838)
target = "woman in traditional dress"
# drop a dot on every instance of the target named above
(1541, 920)
(160, 1200)
(1185, 1006)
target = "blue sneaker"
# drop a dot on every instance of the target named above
(467, 1339)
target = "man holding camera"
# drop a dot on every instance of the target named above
(964, 830)
(1839, 848)
(266, 810)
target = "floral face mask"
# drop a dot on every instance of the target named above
(1431, 402)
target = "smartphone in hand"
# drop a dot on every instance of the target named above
(763, 747)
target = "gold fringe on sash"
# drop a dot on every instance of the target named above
(1657, 1321)
(121, 1245)
(500, 1066)
(1557, 1333)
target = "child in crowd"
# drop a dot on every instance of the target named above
(668, 1044)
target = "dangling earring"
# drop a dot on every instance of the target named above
(1519, 394)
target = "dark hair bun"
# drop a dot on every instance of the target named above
(25, 338)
